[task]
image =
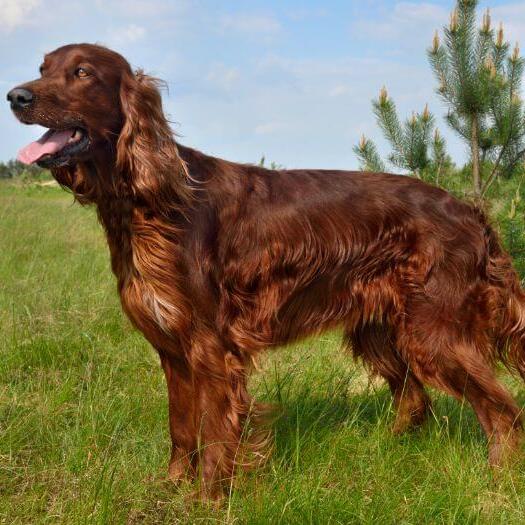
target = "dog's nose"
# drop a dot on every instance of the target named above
(20, 98)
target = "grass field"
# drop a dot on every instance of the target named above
(83, 410)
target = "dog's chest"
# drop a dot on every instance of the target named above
(147, 263)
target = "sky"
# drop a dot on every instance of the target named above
(290, 80)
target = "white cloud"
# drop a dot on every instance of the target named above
(223, 77)
(127, 34)
(268, 128)
(250, 23)
(143, 8)
(513, 18)
(408, 24)
(412, 24)
(338, 90)
(14, 13)
(304, 13)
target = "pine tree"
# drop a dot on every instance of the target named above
(440, 158)
(410, 141)
(480, 83)
(369, 159)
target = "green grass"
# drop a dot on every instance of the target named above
(83, 410)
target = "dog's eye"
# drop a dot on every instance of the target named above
(80, 72)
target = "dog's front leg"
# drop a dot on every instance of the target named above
(182, 418)
(221, 409)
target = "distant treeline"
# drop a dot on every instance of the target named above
(13, 168)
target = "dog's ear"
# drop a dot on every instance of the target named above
(146, 151)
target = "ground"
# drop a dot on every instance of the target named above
(83, 409)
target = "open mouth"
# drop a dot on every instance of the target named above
(55, 147)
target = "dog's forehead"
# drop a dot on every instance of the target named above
(76, 53)
(60, 57)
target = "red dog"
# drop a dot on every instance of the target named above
(217, 261)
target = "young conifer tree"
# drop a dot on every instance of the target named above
(480, 82)
(369, 158)
(410, 140)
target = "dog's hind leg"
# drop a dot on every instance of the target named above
(456, 365)
(374, 345)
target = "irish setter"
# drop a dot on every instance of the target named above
(217, 261)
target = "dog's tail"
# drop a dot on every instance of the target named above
(508, 305)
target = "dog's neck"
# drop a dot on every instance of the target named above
(123, 210)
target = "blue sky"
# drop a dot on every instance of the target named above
(291, 80)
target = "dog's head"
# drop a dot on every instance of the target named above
(77, 97)
(87, 96)
(98, 110)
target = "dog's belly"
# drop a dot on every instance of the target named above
(277, 315)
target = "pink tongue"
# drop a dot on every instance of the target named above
(50, 142)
